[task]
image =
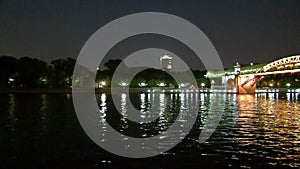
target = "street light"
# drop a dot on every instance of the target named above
(202, 85)
(162, 84)
(123, 84)
(102, 84)
(288, 85)
(11, 79)
(143, 84)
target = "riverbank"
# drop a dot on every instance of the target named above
(137, 90)
(35, 90)
(69, 90)
(100, 90)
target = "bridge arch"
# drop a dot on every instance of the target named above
(245, 80)
(281, 62)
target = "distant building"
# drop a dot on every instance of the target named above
(237, 68)
(166, 62)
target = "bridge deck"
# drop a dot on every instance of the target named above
(272, 73)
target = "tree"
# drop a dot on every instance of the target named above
(29, 71)
(7, 69)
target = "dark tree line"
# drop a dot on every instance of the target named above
(29, 72)
(152, 77)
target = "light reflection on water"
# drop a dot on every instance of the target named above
(251, 127)
(43, 111)
(260, 129)
(11, 125)
(269, 129)
(12, 116)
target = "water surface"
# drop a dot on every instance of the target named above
(42, 131)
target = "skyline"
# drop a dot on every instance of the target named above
(241, 32)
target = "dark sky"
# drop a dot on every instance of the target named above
(243, 31)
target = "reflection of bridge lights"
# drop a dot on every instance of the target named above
(288, 85)
(103, 99)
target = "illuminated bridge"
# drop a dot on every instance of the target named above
(244, 79)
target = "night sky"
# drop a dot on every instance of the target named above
(243, 31)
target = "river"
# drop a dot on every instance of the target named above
(42, 131)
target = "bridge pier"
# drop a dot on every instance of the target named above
(242, 85)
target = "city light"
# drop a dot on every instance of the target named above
(102, 84)
(202, 84)
(43, 79)
(162, 84)
(123, 84)
(184, 85)
(11, 80)
(143, 84)
(288, 85)
(271, 85)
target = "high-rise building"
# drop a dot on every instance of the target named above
(166, 62)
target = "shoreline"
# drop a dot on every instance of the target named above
(122, 90)
(97, 91)
(64, 90)
(35, 90)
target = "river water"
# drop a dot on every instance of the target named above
(42, 131)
